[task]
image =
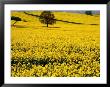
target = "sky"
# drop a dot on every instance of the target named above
(83, 12)
(94, 12)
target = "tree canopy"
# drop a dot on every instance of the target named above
(47, 17)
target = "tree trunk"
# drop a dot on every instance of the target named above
(47, 24)
(14, 23)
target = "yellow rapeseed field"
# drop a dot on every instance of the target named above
(60, 50)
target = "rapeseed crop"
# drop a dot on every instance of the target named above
(61, 50)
